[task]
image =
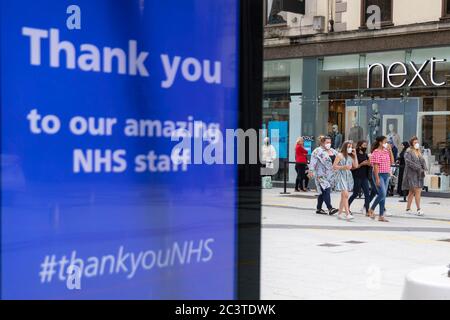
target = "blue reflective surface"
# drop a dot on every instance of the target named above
(135, 235)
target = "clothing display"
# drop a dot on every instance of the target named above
(394, 139)
(336, 140)
(356, 134)
(374, 124)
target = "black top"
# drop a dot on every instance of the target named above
(401, 159)
(333, 158)
(363, 172)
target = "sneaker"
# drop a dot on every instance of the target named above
(420, 213)
(341, 216)
(350, 217)
(321, 211)
(408, 211)
(332, 211)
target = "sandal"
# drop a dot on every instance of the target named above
(383, 219)
(371, 214)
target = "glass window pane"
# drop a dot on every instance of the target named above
(282, 89)
(385, 6)
(273, 12)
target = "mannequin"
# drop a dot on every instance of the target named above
(336, 137)
(374, 123)
(393, 136)
(356, 132)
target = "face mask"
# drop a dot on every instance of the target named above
(386, 145)
(364, 150)
(328, 146)
(349, 150)
(417, 146)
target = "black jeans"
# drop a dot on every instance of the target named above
(361, 183)
(325, 196)
(302, 180)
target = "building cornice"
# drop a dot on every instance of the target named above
(421, 35)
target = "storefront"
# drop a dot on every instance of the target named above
(398, 94)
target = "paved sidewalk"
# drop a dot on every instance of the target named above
(435, 208)
(310, 256)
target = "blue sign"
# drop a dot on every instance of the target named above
(94, 206)
(278, 133)
(308, 146)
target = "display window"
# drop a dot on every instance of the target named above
(404, 94)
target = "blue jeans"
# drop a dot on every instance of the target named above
(382, 190)
(373, 189)
(325, 196)
(361, 183)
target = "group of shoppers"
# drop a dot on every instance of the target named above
(353, 170)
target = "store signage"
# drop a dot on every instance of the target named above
(399, 74)
(278, 133)
(93, 206)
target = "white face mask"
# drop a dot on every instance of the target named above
(328, 146)
(349, 150)
(417, 146)
(386, 145)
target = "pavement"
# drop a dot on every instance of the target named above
(309, 256)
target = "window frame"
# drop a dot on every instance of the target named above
(445, 6)
(384, 24)
(266, 18)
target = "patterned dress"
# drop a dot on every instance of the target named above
(414, 174)
(344, 178)
(321, 166)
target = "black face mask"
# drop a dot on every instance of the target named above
(363, 150)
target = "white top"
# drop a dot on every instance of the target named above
(269, 154)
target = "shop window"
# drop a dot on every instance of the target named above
(273, 10)
(446, 9)
(386, 7)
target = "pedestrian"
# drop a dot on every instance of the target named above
(269, 154)
(301, 166)
(413, 180)
(268, 157)
(321, 168)
(381, 160)
(401, 164)
(361, 176)
(345, 161)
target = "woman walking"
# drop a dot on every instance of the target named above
(414, 175)
(321, 168)
(382, 158)
(361, 176)
(401, 173)
(301, 166)
(345, 161)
